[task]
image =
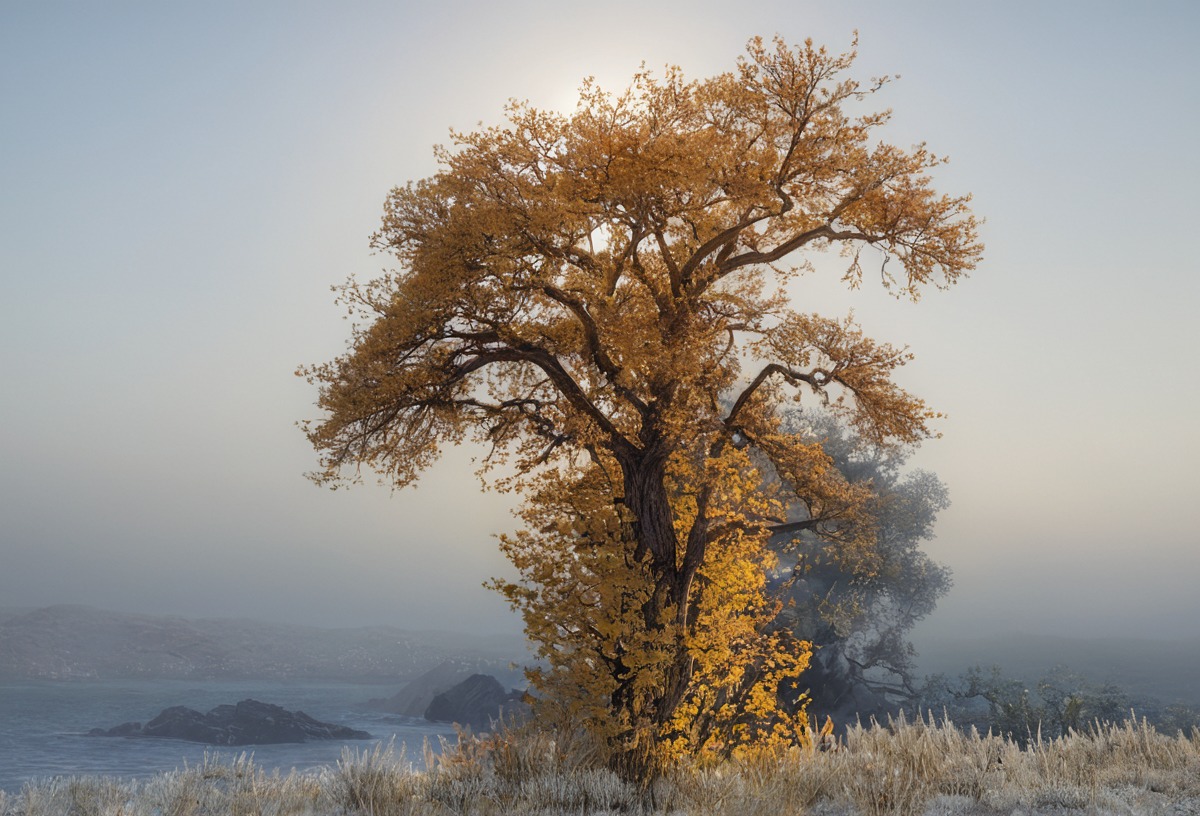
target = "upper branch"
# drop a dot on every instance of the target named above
(559, 376)
(596, 348)
(816, 379)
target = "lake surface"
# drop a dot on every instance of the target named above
(43, 726)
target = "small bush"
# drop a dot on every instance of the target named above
(378, 782)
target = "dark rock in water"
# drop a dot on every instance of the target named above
(129, 729)
(247, 723)
(475, 701)
(417, 694)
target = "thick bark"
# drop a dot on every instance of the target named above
(644, 475)
(647, 497)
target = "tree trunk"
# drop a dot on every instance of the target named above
(654, 530)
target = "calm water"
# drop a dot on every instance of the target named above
(42, 726)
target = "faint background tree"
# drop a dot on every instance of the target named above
(1060, 702)
(858, 605)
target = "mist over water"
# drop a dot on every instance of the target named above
(43, 727)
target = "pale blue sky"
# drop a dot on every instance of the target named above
(180, 184)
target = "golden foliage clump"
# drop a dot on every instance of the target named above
(607, 670)
(600, 298)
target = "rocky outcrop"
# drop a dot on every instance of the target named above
(416, 695)
(247, 723)
(476, 702)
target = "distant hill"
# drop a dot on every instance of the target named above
(1166, 669)
(81, 643)
(7, 612)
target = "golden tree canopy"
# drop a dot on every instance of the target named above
(603, 293)
(583, 279)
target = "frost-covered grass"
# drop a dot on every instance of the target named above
(898, 768)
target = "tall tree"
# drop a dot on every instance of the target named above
(602, 296)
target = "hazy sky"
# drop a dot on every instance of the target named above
(181, 184)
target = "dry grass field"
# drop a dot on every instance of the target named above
(899, 768)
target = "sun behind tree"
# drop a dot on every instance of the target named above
(600, 298)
